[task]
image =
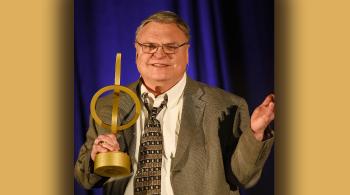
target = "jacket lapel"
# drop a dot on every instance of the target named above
(129, 134)
(191, 121)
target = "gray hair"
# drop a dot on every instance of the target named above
(166, 17)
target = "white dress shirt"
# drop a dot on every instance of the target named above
(169, 118)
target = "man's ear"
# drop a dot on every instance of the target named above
(137, 54)
(187, 54)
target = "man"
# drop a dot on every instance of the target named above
(206, 141)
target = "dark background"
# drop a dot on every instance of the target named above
(232, 47)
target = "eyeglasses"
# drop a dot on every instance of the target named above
(152, 48)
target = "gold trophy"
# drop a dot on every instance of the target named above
(111, 164)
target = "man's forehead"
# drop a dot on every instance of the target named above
(156, 30)
(159, 25)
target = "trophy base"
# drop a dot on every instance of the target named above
(112, 164)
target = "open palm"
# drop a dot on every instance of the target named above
(262, 116)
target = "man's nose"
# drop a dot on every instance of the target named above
(160, 52)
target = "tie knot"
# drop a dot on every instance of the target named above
(153, 111)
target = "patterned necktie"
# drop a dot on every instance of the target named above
(148, 175)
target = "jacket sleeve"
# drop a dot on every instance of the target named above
(250, 154)
(83, 170)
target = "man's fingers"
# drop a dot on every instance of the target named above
(107, 141)
(112, 142)
(104, 139)
(100, 149)
(271, 106)
(271, 111)
(107, 146)
(113, 138)
(99, 139)
(268, 99)
(97, 149)
(267, 112)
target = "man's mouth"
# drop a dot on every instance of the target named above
(159, 65)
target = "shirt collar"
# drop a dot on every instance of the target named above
(174, 93)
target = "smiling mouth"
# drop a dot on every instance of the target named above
(160, 65)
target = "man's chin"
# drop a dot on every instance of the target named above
(155, 79)
(160, 79)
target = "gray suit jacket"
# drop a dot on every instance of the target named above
(216, 151)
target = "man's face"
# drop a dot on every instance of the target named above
(161, 68)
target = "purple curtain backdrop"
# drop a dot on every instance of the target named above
(232, 47)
